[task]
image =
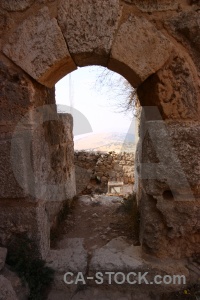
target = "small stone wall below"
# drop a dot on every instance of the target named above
(95, 169)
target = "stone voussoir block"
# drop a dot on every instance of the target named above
(38, 47)
(150, 47)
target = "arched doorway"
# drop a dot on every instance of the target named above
(48, 41)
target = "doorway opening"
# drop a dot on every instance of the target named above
(105, 207)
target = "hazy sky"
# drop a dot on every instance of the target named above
(93, 101)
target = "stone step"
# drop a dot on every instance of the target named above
(117, 256)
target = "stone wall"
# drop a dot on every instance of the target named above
(61, 175)
(36, 154)
(95, 169)
(155, 46)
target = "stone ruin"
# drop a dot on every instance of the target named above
(155, 45)
(94, 170)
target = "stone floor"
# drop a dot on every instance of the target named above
(98, 236)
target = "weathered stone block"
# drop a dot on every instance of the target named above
(3, 22)
(7, 292)
(20, 287)
(3, 254)
(168, 188)
(154, 5)
(19, 96)
(12, 171)
(39, 48)
(172, 157)
(13, 5)
(14, 105)
(27, 219)
(139, 50)
(169, 228)
(173, 90)
(89, 28)
(185, 27)
(72, 257)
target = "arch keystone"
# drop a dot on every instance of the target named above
(89, 27)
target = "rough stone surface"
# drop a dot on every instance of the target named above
(162, 225)
(14, 5)
(102, 167)
(20, 94)
(72, 258)
(10, 187)
(61, 295)
(121, 256)
(50, 149)
(38, 47)
(7, 292)
(3, 254)
(173, 90)
(154, 5)
(54, 155)
(142, 53)
(185, 27)
(181, 154)
(168, 189)
(89, 27)
(117, 255)
(21, 288)
(22, 218)
(132, 39)
(3, 22)
(109, 294)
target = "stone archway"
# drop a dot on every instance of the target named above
(147, 44)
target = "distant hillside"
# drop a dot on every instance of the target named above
(111, 141)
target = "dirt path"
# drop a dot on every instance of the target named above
(98, 220)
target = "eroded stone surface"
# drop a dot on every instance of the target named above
(169, 189)
(181, 159)
(10, 172)
(108, 166)
(117, 255)
(169, 228)
(39, 48)
(31, 220)
(141, 53)
(35, 43)
(71, 258)
(154, 5)
(186, 28)
(21, 288)
(15, 5)
(109, 294)
(3, 254)
(173, 90)
(3, 22)
(7, 292)
(89, 27)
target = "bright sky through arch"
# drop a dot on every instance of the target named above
(94, 105)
